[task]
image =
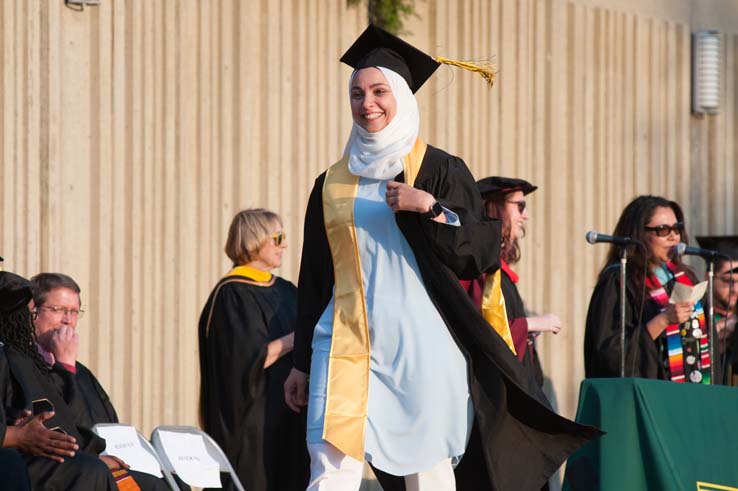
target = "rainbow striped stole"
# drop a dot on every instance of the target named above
(690, 336)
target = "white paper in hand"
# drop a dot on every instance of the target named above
(122, 441)
(686, 293)
(190, 459)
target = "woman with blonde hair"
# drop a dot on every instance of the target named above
(246, 328)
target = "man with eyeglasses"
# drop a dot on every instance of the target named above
(57, 310)
(725, 295)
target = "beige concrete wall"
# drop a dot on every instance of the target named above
(131, 132)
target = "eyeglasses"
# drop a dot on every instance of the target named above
(664, 230)
(278, 238)
(520, 203)
(61, 311)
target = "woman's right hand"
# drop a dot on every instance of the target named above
(32, 437)
(677, 313)
(295, 390)
(544, 323)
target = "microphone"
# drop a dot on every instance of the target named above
(594, 237)
(681, 249)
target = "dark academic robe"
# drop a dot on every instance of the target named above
(730, 373)
(644, 357)
(524, 344)
(242, 404)
(27, 382)
(98, 407)
(517, 441)
(13, 472)
(92, 405)
(525, 347)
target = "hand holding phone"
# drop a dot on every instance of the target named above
(42, 406)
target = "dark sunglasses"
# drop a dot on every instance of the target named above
(665, 230)
(279, 238)
(520, 203)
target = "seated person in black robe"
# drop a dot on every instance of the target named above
(57, 306)
(24, 378)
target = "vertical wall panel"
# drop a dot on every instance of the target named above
(131, 132)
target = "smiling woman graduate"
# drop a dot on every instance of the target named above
(404, 371)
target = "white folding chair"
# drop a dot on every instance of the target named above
(213, 449)
(150, 449)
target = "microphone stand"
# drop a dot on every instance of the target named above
(711, 316)
(623, 264)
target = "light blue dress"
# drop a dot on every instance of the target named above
(420, 410)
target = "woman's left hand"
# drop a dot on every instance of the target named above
(401, 197)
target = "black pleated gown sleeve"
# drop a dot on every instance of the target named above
(92, 405)
(97, 402)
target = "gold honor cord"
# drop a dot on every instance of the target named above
(484, 68)
(347, 392)
(493, 308)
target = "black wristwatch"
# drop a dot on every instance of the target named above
(435, 210)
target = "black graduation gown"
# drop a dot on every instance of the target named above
(97, 402)
(644, 357)
(516, 310)
(517, 442)
(25, 383)
(242, 404)
(602, 332)
(92, 405)
(13, 472)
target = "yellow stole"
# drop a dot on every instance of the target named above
(493, 308)
(347, 394)
(254, 277)
(257, 275)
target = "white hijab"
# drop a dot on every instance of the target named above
(379, 155)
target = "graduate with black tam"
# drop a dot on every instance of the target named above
(404, 371)
(65, 459)
(504, 199)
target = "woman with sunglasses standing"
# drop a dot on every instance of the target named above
(662, 340)
(504, 199)
(246, 329)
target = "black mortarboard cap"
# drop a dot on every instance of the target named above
(725, 244)
(490, 186)
(377, 47)
(15, 292)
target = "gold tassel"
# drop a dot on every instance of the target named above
(483, 68)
